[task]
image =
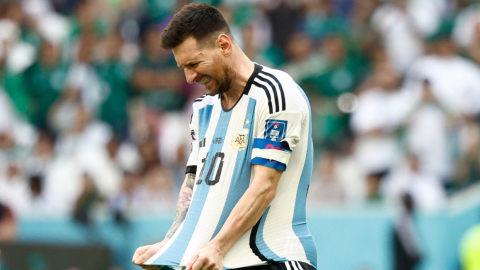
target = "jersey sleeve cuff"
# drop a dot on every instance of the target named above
(191, 169)
(269, 163)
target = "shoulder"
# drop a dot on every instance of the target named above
(278, 91)
(278, 76)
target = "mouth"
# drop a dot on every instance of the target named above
(205, 80)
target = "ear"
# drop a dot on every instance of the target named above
(224, 44)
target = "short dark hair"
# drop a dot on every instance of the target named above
(198, 20)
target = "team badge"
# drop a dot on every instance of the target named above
(240, 139)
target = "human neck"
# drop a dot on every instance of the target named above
(243, 69)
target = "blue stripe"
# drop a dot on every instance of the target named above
(204, 115)
(269, 163)
(299, 216)
(173, 255)
(242, 171)
(262, 246)
(269, 144)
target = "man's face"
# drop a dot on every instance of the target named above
(205, 65)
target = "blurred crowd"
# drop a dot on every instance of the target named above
(94, 113)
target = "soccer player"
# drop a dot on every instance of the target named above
(242, 204)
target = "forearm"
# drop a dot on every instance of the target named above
(183, 204)
(246, 212)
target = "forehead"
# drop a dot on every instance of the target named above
(188, 51)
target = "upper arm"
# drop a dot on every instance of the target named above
(277, 134)
(266, 178)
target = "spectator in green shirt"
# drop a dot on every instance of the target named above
(45, 81)
(116, 75)
(340, 72)
(156, 78)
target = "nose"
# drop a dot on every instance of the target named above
(190, 75)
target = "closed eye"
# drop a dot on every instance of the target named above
(191, 65)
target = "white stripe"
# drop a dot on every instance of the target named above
(287, 265)
(294, 266)
(272, 96)
(207, 100)
(299, 266)
(241, 254)
(277, 87)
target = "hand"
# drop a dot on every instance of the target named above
(208, 257)
(142, 254)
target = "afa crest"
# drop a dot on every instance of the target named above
(240, 139)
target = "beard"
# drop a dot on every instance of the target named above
(224, 78)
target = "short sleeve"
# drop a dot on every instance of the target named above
(192, 159)
(276, 137)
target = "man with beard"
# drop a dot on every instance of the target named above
(242, 204)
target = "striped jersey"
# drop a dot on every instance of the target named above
(270, 125)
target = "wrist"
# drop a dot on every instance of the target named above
(161, 243)
(217, 246)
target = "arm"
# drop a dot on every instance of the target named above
(243, 217)
(183, 204)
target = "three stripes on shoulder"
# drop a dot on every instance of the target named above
(267, 80)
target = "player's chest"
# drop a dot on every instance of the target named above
(229, 130)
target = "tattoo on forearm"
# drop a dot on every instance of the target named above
(183, 204)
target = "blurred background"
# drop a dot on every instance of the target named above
(94, 127)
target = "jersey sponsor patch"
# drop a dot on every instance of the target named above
(240, 139)
(218, 140)
(275, 130)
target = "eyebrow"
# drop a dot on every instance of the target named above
(191, 62)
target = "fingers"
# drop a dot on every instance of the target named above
(205, 260)
(144, 257)
(139, 252)
(199, 264)
(142, 254)
(204, 263)
(191, 262)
